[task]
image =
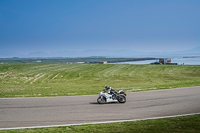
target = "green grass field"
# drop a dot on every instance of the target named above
(38, 80)
(186, 124)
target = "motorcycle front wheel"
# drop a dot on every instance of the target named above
(101, 99)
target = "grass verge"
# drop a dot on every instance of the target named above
(39, 80)
(184, 124)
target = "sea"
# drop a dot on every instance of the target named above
(185, 60)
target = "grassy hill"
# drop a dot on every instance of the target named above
(38, 79)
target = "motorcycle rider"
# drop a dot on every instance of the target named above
(110, 90)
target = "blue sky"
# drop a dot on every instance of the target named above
(62, 25)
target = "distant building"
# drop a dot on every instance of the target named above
(164, 61)
(103, 62)
(80, 62)
(38, 61)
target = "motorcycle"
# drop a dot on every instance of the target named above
(105, 97)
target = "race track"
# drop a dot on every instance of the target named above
(45, 111)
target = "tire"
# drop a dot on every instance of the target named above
(123, 93)
(101, 100)
(121, 98)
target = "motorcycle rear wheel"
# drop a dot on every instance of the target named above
(121, 98)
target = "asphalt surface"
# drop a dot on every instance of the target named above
(29, 112)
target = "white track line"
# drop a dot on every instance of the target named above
(100, 122)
